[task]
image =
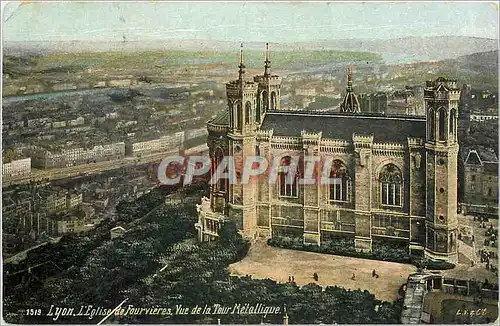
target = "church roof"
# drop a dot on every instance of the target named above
(350, 103)
(385, 129)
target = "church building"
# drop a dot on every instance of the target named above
(398, 174)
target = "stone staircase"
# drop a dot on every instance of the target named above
(467, 251)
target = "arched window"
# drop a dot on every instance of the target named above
(273, 101)
(287, 187)
(265, 101)
(442, 124)
(218, 157)
(391, 185)
(340, 188)
(248, 110)
(432, 124)
(239, 113)
(257, 111)
(453, 114)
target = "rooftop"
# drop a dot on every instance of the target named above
(480, 155)
(384, 128)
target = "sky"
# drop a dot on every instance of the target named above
(249, 22)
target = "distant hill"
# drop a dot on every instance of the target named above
(487, 60)
(430, 48)
(436, 48)
(478, 69)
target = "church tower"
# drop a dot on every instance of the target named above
(350, 103)
(441, 103)
(242, 103)
(268, 97)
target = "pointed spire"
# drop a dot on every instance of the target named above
(267, 65)
(349, 79)
(241, 66)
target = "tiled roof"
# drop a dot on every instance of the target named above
(385, 129)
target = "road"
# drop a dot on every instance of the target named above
(86, 169)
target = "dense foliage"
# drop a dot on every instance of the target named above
(481, 134)
(381, 250)
(159, 263)
(197, 275)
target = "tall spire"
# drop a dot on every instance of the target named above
(267, 66)
(241, 66)
(350, 102)
(349, 79)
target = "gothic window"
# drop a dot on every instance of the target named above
(218, 157)
(239, 113)
(432, 124)
(248, 107)
(257, 111)
(453, 114)
(265, 101)
(391, 185)
(442, 124)
(340, 188)
(273, 100)
(287, 187)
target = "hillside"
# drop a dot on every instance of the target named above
(478, 69)
(436, 48)
(482, 60)
(432, 48)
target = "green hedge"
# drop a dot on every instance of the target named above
(381, 250)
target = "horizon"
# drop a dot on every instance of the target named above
(242, 21)
(253, 42)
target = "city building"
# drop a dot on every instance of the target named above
(398, 173)
(480, 182)
(45, 159)
(305, 91)
(17, 168)
(376, 102)
(484, 114)
(165, 143)
(73, 224)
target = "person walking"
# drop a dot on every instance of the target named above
(353, 276)
(374, 273)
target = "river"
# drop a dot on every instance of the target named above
(90, 91)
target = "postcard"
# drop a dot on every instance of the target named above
(250, 162)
